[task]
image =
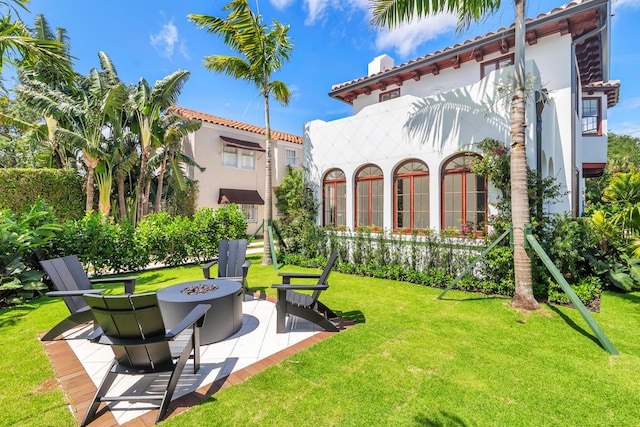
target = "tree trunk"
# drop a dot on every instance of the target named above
(158, 200)
(121, 200)
(268, 211)
(523, 297)
(147, 190)
(144, 155)
(90, 183)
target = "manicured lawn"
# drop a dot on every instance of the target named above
(412, 360)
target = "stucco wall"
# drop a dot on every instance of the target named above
(441, 115)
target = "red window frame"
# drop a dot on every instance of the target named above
(463, 171)
(390, 94)
(333, 182)
(411, 176)
(598, 117)
(483, 65)
(369, 179)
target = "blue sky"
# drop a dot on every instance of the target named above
(333, 43)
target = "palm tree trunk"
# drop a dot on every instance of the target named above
(268, 210)
(90, 183)
(523, 297)
(147, 190)
(121, 199)
(158, 200)
(144, 155)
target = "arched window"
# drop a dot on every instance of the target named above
(411, 186)
(464, 196)
(334, 198)
(369, 192)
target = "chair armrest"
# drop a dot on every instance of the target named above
(289, 287)
(197, 313)
(245, 270)
(129, 282)
(77, 293)
(286, 277)
(207, 267)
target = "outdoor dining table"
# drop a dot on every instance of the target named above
(223, 319)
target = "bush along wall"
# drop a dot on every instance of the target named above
(60, 188)
(436, 259)
(107, 246)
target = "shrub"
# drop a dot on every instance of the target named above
(60, 188)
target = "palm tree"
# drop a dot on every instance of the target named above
(170, 131)
(149, 104)
(18, 46)
(43, 132)
(95, 104)
(394, 12)
(263, 50)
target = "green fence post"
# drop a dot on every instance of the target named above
(572, 295)
(473, 263)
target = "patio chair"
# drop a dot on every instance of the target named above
(305, 305)
(132, 326)
(231, 262)
(71, 283)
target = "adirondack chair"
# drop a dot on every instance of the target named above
(231, 262)
(132, 326)
(305, 305)
(71, 283)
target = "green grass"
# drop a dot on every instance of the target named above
(411, 360)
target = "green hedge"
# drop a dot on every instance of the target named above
(60, 188)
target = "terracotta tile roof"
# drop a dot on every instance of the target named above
(474, 49)
(611, 88)
(196, 115)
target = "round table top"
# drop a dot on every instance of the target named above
(174, 293)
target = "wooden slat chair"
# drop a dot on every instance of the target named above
(232, 263)
(132, 326)
(71, 282)
(305, 305)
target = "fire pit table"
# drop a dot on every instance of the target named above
(222, 320)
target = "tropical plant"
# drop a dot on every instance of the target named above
(394, 12)
(169, 131)
(42, 132)
(20, 239)
(19, 47)
(263, 50)
(149, 104)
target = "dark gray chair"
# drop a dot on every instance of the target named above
(305, 305)
(232, 263)
(71, 282)
(132, 326)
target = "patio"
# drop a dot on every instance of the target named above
(80, 365)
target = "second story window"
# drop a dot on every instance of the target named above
(238, 158)
(495, 64)
(591, 117)
(290, 158)
(385, 96)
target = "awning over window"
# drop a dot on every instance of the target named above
(242, 144)
(240, 197)
(592, 170)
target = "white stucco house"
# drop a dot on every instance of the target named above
(401, 160)
(233, 155)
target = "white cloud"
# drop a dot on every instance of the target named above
(406, 38)
(165, 40)
(626, 128)
(281, 4)
(634, 4)
(317, 9)
(629, 104)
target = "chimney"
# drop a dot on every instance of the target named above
(380, 63)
